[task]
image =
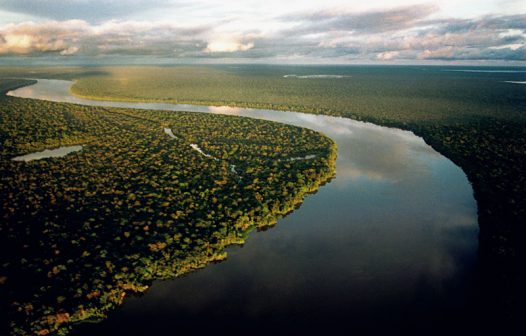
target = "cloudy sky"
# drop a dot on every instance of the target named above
(268, 31)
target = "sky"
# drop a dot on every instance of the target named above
(269, 31)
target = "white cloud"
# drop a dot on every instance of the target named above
(228, 46)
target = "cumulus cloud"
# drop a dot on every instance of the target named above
(30, 38)
(113, 37)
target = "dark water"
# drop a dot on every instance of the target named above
(388, 246)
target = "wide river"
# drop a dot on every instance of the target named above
(390, 245)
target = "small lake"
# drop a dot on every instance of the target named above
(48, 153)
(389, 245)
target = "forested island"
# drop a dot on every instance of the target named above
(150, 195)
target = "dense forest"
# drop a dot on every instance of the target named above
(136, 204)
(476, 119)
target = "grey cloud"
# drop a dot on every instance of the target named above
(484, 23)
(348, 35)
(90, 10)
(365, 22)
(449, 54)
(513, 39)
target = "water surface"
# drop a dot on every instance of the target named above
(388, 246)
(48, 153)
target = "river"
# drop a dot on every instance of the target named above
(390, 244)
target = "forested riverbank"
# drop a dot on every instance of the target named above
(81, 231)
